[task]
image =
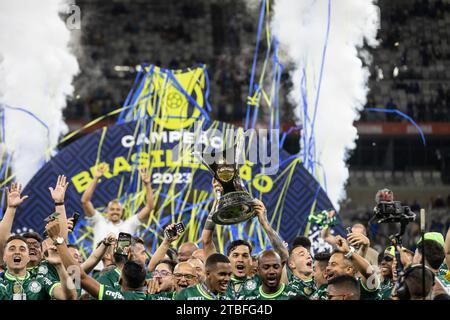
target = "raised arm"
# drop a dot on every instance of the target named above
(275, 240)
(88, 207)
(97, 255)
(66, 290)
(149, 202)
(325, 233)
(358, 240)
(162, 249)
(58, 194)
(208, 229)
(14, 199)
(87, 283)
(367, 272)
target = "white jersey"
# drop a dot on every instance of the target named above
(102, 227)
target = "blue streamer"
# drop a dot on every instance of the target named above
(120, 119)
(256, 110)
(188, 96)
(285, 134)
(422, 135)
(32, 115)
(324, 51)
(255, 58)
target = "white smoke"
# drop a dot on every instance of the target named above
(36, 72)
(301, 26)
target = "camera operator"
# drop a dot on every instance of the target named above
(432, 248)
(411, 286)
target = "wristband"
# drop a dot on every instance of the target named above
(349, 254)
(105, 243)
(59, 204)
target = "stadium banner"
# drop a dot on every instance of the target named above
(183, 190)
(163, 118)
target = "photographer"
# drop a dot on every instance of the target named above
(432, 249)
(411, 287)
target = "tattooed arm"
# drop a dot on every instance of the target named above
(275, 240)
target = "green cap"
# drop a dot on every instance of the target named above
(435, 236)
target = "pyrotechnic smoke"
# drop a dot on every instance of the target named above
(37, 68)
(301, 28)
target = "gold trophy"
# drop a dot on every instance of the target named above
(234, 204)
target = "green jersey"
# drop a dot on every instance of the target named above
(3, 292)
(113, 293)
(111, 278)
(385, 289)
(162, 296)
(44, 269)
(27, 287)
(368, 294)
(238, 288)
(285, 292)
(443, 277)
(199, 292)
(303, 287)
(320, 293)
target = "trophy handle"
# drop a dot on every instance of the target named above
(239, 146)
(199, 157)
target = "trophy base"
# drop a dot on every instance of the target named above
(234, 207)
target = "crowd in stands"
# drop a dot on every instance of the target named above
(410, 69)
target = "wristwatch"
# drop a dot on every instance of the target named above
(58, 241)
(349, 254)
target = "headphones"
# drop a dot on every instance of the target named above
(403, 290)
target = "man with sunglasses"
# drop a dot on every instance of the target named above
(183, 276)
(162, 286)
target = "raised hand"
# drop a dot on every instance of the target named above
(342, 245)
(145, 176)
(53, 229)
(53, 256)
(100, 171)
(70, 224)
(13, 195)
(358, 239)
(217, 186)
(260, 210)
(171, 239)
(60, 189)
(152, 286)
(110, 239)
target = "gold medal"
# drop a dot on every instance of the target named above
(307, 290)
(17, 288)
